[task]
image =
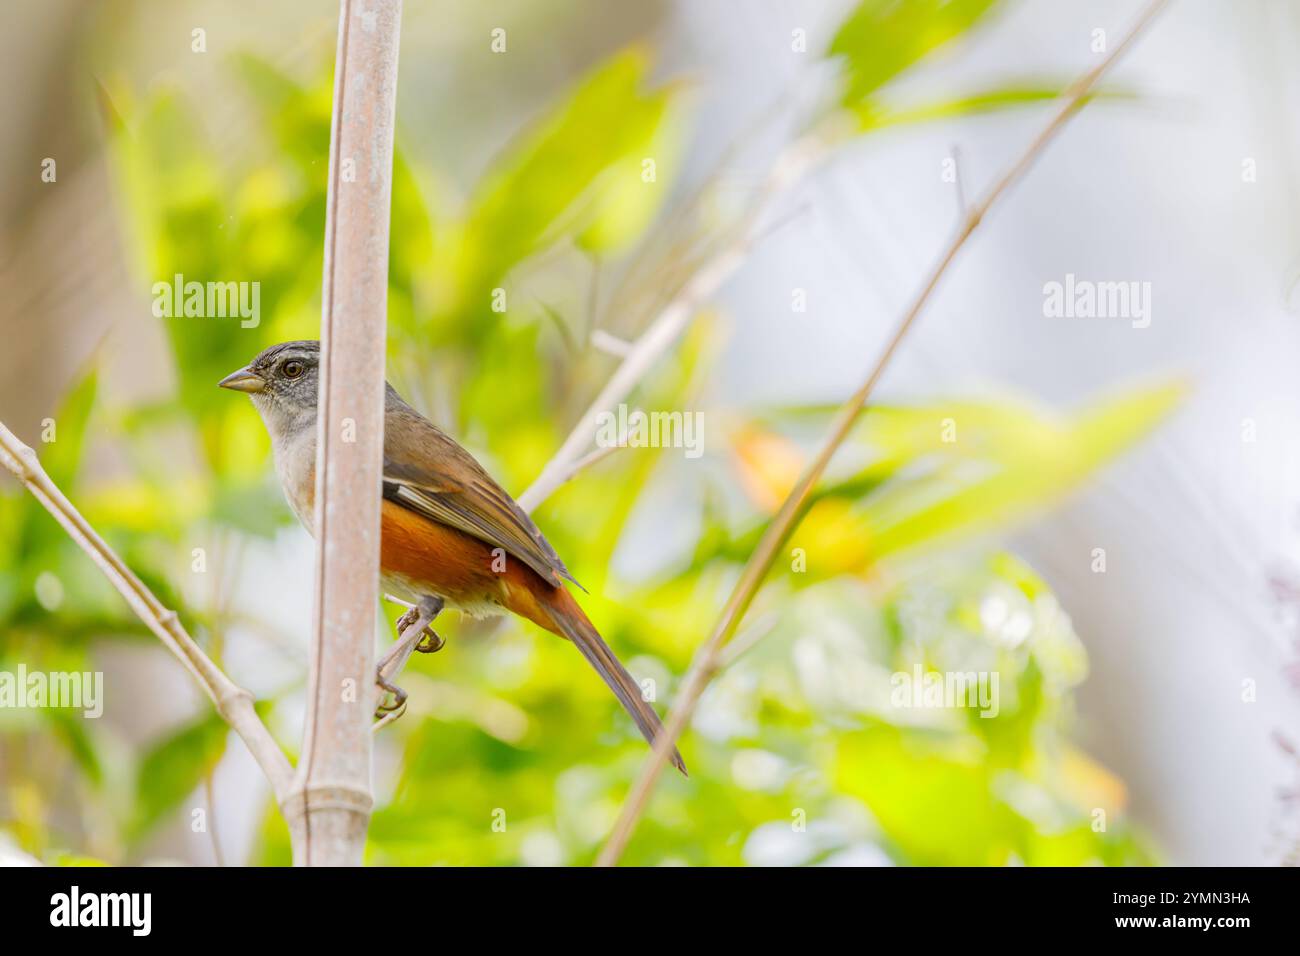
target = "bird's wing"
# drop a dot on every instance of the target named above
(429, 473)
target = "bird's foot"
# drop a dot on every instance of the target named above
(398, 704)
(430, 642)
(413, 633)
(407, 619)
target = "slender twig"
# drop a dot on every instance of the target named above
(208, 794)
(658, 337)
(708, 660)
(572, 468)
(232, 702)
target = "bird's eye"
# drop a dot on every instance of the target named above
(292, 368)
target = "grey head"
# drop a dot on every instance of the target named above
(283, 382)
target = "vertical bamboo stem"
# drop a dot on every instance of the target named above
(328, 809)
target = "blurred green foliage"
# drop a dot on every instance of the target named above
(799, 755)
(882, 38)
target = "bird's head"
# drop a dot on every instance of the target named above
(283, 382)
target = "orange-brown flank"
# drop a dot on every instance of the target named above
(458, 567)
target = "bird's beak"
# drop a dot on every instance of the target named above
(245, 380)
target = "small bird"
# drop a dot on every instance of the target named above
(445, 524)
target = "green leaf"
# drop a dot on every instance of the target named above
(930, 794)
(577, 170)
(174, 768)
(29, 537)
(882, 38)
(76, 860)
(873, 115)
(79, 743)
(62, 457)
(999, 467)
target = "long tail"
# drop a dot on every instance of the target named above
(560, 613)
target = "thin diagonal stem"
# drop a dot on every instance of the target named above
(778, 531)
(232, 702)
(668, 326)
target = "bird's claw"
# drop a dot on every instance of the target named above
(407, 619)
(399, 697)
(430, 642)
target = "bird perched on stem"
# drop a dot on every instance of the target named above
(450, 536)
